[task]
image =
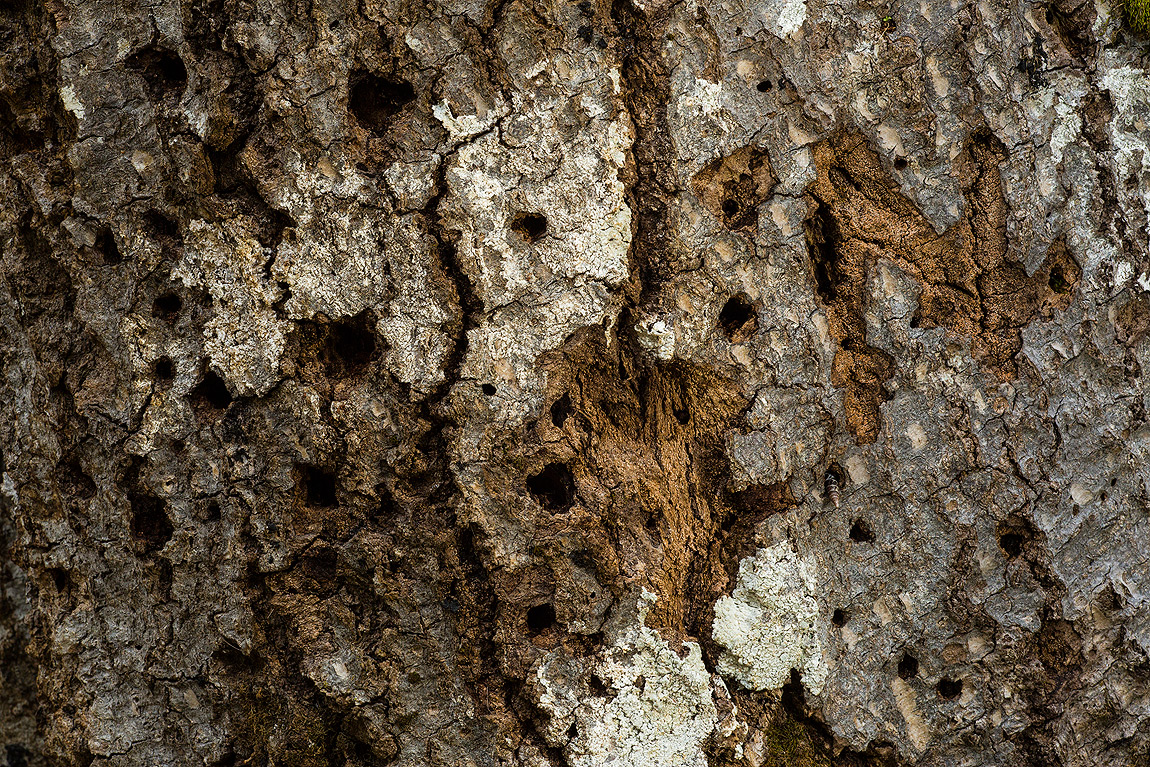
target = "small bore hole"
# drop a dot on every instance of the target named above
(1011, 544)
(839, 618)
(553, 487)
(150, 524)
(764, 86)
(107, 248)
(529, 226)
(488, 389)
(212, 392)
(908, 666)
(318, 487)
(949, 688)
(164, 369)
(561, 409)
(374, 100)
(900, 163)
(861, 532)
(167, 306)
(540, 618)
(730, 207)
(738, 318)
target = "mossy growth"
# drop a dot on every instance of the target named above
(1137, 16)
(787, 743)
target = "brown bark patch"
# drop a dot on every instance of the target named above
(733, 187)
(970, 283)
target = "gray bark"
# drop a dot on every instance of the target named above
(741, 382)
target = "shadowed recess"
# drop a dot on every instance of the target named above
(553, 487)
(374, 100)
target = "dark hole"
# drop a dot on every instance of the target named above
(374, 100)
(1058, 282)
(350, 346)
(736, 313)
(488, 389)
(540, 618)
(318, 487)
(167, 306)
(573, 731)
(150, 524)
(107, 247)
(560, 410)
(652, 522)
(682, 415)
(16, 755)
(730, 207)
(822, 235)
(899, 163)
(1049, 15)
(861, 532)
(949, 688)
(585, 34)
(764, 86)
(553, 488)
(908, 666)
(164, 369)
(212, 511)
(60, 578)
(839, 618)
(212, 391)
(1011, 543)
(529, 226)
(162, 69)
(320, 565)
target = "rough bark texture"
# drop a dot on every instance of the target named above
(525, 382)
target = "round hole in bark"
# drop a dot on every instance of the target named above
(60, 578)
(553, 487)
(730, 207)
(907, 666)
(1057, 280)
(861, 531)
(488, 389)
(212, 392)
(150, 524)
(350, 346)
(529, 226)
(899, 163)
(167, 306)
(839, 617)
(764, 86)
(162, 69)
(1011, 544)
(317, 487)
(560, 410)
(540, 618)
(107, 248)
(736, 315)
(374, 100)
(164, 369)
(949, 688)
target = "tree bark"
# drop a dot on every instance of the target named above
(720, 382)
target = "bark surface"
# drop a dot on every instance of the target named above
(534, 383)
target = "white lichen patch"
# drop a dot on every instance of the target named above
(767, 625)
(661, 710)
(789, 19)
(244, 339)
(656, 336)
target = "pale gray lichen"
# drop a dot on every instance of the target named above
(661, 712)
(767, 625)
(244, 339)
